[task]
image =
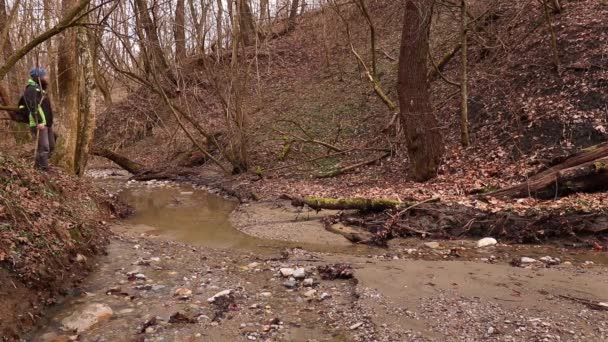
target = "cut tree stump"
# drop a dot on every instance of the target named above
(584, 171)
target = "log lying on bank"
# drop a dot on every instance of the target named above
(585, 171)
(120, 160)
(362, 204)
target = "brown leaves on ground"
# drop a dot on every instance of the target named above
(46, 220)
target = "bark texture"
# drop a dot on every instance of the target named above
(424, 142)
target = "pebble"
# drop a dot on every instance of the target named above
(290, 283)
(87, 317)
(157, 287)
(286, 272)
(182, 293)
(550, 261)
(431, 245)
(80, 258)
(266, 294)
(527, 260)
(218, 295)
(308, 282)
(310, 293)
(324, 296)
(299, 273)
(253, 265)
(485, 242)
(356, 326)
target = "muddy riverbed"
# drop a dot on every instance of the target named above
(192, 266)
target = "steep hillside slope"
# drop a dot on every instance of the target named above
(308, 86)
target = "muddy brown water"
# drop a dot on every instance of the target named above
(194, 216)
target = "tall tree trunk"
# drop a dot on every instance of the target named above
(293, 13)
(51, 48)
(464, 97)
(69, 97)
(87, 118)
(264, 14)
(152, 41)
(179, 31)
(6, 47)
(246, 23)
(220, 27)
(424, 141)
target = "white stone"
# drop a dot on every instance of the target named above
(183, 293)
(80, 258)
(308, 282)
(286, 272)
(356, 326)
(324, 296)
(485, 242)
(266, 294)
(527, 260)
(310, 293)
(431, 245)
(299, 273)
(253, 265)
(90, 315)
(218, 295)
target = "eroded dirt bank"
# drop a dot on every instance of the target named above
(151, 288)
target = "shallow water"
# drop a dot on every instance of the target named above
(197, 217)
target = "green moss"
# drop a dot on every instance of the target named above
(600, 166)
(365, 204)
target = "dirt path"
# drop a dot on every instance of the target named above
(151, 288)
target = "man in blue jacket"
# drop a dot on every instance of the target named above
(36, 104)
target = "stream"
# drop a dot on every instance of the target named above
(181, 249)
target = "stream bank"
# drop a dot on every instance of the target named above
(161, 285)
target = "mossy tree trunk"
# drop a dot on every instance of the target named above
(363, 204)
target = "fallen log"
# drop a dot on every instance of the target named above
(584, 171)
(361, 204)
(120, 160)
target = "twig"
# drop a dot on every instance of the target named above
(351, 167)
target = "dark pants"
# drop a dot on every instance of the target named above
(46, 145)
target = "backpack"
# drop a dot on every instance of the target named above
(22, 115)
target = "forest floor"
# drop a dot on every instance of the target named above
(51, 227)
(152, 286)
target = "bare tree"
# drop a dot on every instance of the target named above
(293, 13)
(179, 31)
(464, 97)
(423, 137)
